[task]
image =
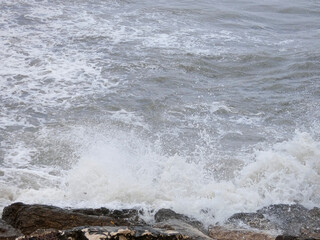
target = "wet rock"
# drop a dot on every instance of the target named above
(7, 232)
(253, 220)
(102, 233)
(124, 216)
(170, 220)
(293, 221)
(229, 233)
(225, 233)
(288, 218)
(164, 215)
(28, 218)
(310, 232)
(183, 228)
(129, 233)
(43, 234)
(285, 237)
(275, 222)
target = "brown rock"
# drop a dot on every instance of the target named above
(43, 234)
(124, 216)
(110, 233)
(223, 233)
(28, 218)
(310, 232)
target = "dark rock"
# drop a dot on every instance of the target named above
(7, 232)
(41, 222)
(124, 216)
(285, 237)
(294, 221)
(32, 219)
(112, 233)
(164, 215)
(28, 218)
(253, 220)
(43, 234)
(128, 233)
(288, 218)
(170, 220)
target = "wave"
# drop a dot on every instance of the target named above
(125, 171)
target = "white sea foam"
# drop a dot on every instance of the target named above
(217, 106)
(129, 118)
(125, 172)
(19, 156)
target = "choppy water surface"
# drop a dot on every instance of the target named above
(205, 107)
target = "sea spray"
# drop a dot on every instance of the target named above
(128, 172)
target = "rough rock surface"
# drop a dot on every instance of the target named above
(102, 233)
(164, 215)
(123, 216)
(7, 232)
(183, 228)
(224, 233)
(170, 220)
(294, 221)
(123, 233)
(29, 218)
(41, 222)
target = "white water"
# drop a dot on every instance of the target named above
(125, 171)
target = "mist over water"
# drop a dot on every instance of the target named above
(207, 107)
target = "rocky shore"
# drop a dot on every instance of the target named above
(37, 222)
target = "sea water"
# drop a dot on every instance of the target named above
(205, 107)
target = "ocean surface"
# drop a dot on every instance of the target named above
(205, 107)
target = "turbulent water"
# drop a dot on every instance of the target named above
(206, 107)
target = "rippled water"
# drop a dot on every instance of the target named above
(206, 107)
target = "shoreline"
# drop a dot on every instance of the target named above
(36, 221)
